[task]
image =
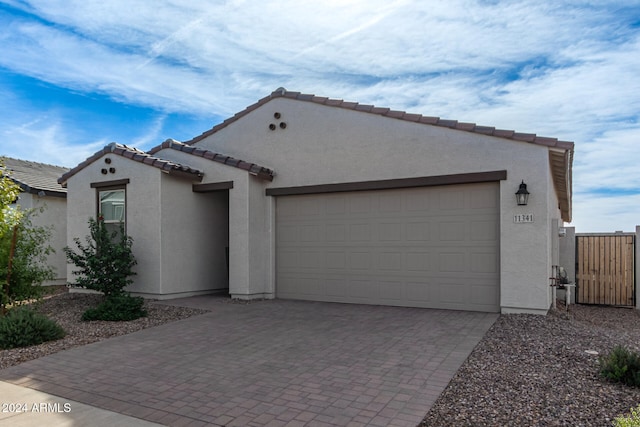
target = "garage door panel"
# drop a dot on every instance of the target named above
(453, 293)
(390, 232)
(390, 203)
(419, 292)
(363, 289)
(360, 260)
(483, 230)
(359, 232)
(484, 263)
(392, 291)
(417, 231)
(418, 261)
(484, 294)
(390, 261)
(452, 231)
(451, 199)
(336, 260)
(422, 247)
(452, 262)
(336, 287)
(360, 203)
(336, 205)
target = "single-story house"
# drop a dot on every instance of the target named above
(40, 189)
(311, 198)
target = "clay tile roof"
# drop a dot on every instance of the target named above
(379, 110)
(429, 120)
(254, 169)
(426, 120)
(34, 178)
(412, 117)
(137, 156)
(542, 140)
(395, 114)
(447, 123)
(469, 127)
(364, 107)
(487, 130)
(528, 137)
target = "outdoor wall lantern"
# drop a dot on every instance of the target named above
(522, 195)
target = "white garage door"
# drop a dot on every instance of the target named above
(434, 247)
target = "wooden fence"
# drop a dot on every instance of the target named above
(605, 269)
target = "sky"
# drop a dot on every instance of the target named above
(76, 75)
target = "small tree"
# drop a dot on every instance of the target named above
(105, 263)
(24, 251)
(23, 248)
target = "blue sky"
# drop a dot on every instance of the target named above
(76, 75)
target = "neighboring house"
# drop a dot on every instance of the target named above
(40, 189)
(337, 201)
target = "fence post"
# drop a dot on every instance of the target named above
(568, 256)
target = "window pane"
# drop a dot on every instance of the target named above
(112, 205)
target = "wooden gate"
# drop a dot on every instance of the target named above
(605, 269)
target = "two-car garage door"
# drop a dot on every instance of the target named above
(435, 247)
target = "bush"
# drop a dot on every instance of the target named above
(632, 420)
(621, 365)
(23, 256)
(120, 307)
(22, 327)
(105, 263)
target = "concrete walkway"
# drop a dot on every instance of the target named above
(25, 407)
(269, 363)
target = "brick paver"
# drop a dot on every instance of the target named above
(269, 363)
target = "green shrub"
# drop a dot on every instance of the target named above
(22, 327)
(121, 307)
(621, 365)
(23, 256)
(632, 420)
(106, 262)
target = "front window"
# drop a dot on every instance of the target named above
(111, 207)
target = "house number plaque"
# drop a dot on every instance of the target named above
(522, 218)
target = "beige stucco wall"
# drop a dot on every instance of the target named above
(54, 215)
(323, 145)
(194, 235)
(179, 237)
(142, 222)
(248, 224)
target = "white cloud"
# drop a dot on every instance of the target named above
(565, 69)
(42, 140)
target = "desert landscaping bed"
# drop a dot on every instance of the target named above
(528, 370)
(533, 370)
(67, 308)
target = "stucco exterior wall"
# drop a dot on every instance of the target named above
(142, 218)
(323, 145)
(54, 215)
(194, 236)
(249, 226)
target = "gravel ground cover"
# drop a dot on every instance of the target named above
(67, 308)
(533, 370)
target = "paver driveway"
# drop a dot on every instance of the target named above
(269, 363)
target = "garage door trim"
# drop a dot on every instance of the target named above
(388, 184)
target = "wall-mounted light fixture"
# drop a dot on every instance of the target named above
(522, 195)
